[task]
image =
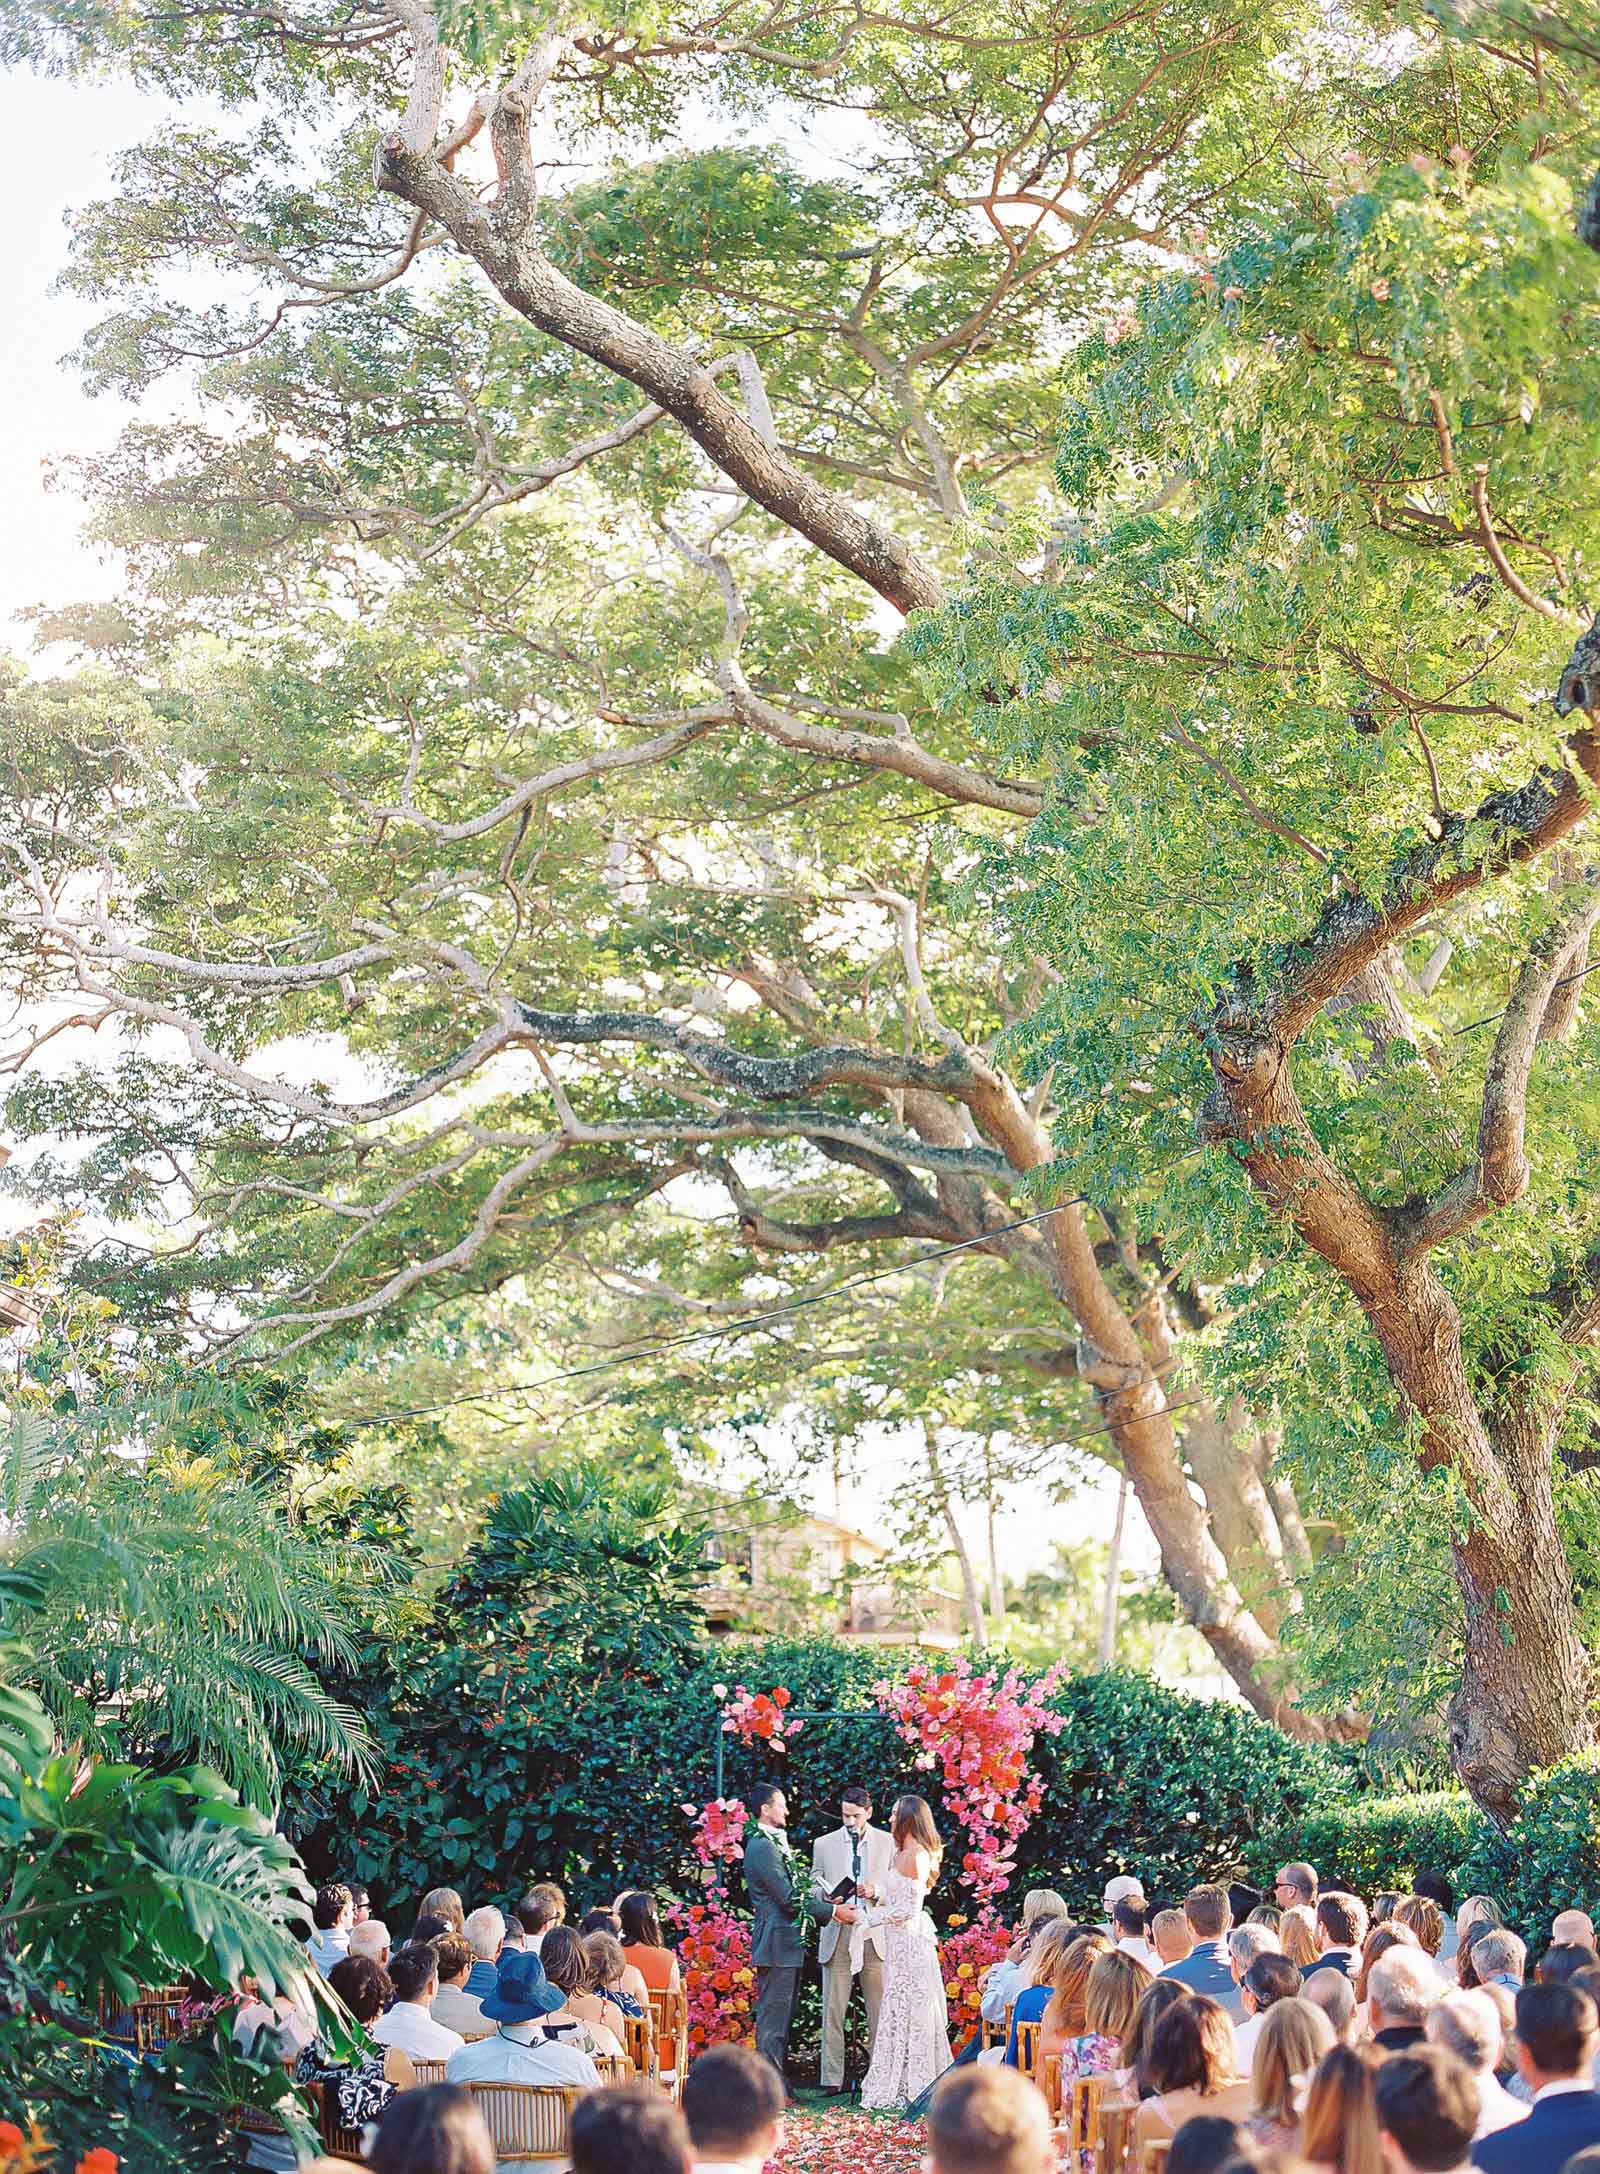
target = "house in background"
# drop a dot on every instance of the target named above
(788, 1572)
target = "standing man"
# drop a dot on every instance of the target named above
(776, 1946)
(856, 1850)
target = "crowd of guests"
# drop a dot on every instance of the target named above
(1311, 2031)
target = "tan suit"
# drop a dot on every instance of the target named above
(831, 1859)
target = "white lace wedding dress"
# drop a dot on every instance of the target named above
(913, 2042)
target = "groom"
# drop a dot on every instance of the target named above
(776, 1947)
(859, 1851)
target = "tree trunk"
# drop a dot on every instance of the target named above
(1221, 1450)
(1108, 1605)
(997, 1584)
(969, 1581)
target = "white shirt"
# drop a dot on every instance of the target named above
(1499, 2108)
(1561, 2085)
(728, 2166)
(520, 2053)
(1000, 1989)
(1142, 1952)
(409, 2026)
(1245, 2035)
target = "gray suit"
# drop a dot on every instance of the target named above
(776, 1947)
(834, 1858)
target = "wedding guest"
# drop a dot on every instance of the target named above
(360, 1898)
(1572, 1929)
(1064, 2017)
(1336, 1997)
(1500, 1958)
(1053, 1963)
(1557, 2027)
(453, 2006)
(516, 1938)
(1208, 1969)
(1468, 2025)
(601, 1920)
(519, 2052)
(1245, 1943)
(485, 1933)
(1376, 1945)
(567, 1966)
(1170, 1937)
(1339, 2128)
(1270, 1978)
(1041, 1907)
(1384, 1905)
(1476, 1910)
(1131, 1922)
(1193, 2069)
(1401, 1987)
(988, 2121)
(1427, 2111)
(643, 1945)
(1123, 1888)
(1421, 1915)
(332, 1915)
(442, 1902)
(1560, 1965)
(733, 2102)
(1296, 1887)
(363, 2084)
(1294, 2037)
(1341, 1928)
(635, 2130)
(408, 2023)
(437, 2130)
(371, 1939)
(1434, 1887)
(615, 1978)
(1157, 1997)
(1467, 1974)
(1297, 1929)
(429, 1926)
(1206, 2144)
(1115, 1986)
(1268, 1914)
(544, 1905)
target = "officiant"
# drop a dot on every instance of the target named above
(854, 1859)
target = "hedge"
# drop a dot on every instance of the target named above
(1550, 1858)
(1373, 1843)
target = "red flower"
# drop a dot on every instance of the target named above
(11, 2140)
(98, 2161)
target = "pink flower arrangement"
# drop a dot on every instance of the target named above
(759, 1717)
(978, 1730)
(713, 1941)
(966, 1955)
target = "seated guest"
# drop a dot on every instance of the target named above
(1421, 1915)
(360, 1899)
(371, 1939)
(1476, 1910)
(1339, 2128)
(1557, 2028)
(1123, 1888)
(1050, 1959)
(1572, 1929)
(453, 2006)
(1383, 1905)
(1294, 2037)
(601, 1920)
(1500, 1958)
(1133, 2077)
(643, 1945)
(1401, 1987)
(1063, 2019)
(1268, 1914)
(1560, 1965)
(443, 1902)
(1336, 1997)
(1270, 1978)
(516, 1938)
(541, 1907)
(485, 1933)
(362, 2085)
(1297, 1929)
(1295, 1888)
(437, 2130)
(1193, 2069)
(1170, 1937)
(1206, 2144)
(1208, 1969)
(429, 1926)
(615, 1979)
(988, 2121)
(1427, 2111)
(408, 2023)
(518, 2052)
(1041, 1906)
(1436, 1888)
(1130, 1922)
(636, 2130)
(332, 1915)
(1111, 1995)
(1245, 1943)
(1468, 2025)
(567, 1966)
(1378, 1943)
(1341, 1928)
(733, 2102)
(1466, 1961)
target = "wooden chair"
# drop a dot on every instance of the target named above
(612, 2069)
(669, 2012)
(1114, 2135)
(429, 2071)
(338, 2142)
(1153, 2158)
(1083, 2105)
(527, 2120)
(1029, 2036)
(990, 2034)
(149, 2019)
(636, 2038)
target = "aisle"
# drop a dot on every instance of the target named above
(849, 2143)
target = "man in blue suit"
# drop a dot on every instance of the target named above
(1557, 2031)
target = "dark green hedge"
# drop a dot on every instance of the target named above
(1372, 1843)
(1550, 1859)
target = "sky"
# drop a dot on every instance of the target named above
(56, 144)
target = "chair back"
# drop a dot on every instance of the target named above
(613, 2068)
(636, 2038)
(669, 2012)
(1153, 2158)
(1114, 2135)
(1083, 2105)
(429, 2071)
(1029, 2038)
(527, 2120)
(149, 2021)
(338, 2142)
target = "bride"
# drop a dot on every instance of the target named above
(913, 2042)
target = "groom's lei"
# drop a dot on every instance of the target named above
(799, 1879)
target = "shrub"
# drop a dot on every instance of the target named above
(1372, 1843)
(1550, 1858)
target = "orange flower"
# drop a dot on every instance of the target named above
(98, 2161)
(10, 2140)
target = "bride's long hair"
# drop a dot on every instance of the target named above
(913, 1822)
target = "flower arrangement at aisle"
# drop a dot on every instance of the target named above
(713, 1940)
(758, 1717)
(967, 1953)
